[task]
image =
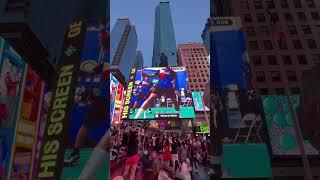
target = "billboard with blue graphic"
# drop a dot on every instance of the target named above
(12, 78)
(236, 99)
(157, 93)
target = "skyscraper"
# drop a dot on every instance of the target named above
(196, 59)
(139, 60)
(123, 50)
(164, 43)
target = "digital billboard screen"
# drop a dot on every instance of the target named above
(158, 93)
(198, 101)
(116, 99)
(12, 79)
(281, 126)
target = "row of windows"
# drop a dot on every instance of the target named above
(196, 62)
(198, 66)
(276, 76)
(279, 91)
(270, 4)
(262, 17)
(195, 59)
(272, 60)
(282, 44)
(191, 80)
(265, 30)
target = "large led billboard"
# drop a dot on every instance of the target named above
(12, 78)
(198, 101)
(280, 125)
(27, 127)
(89, 119)
(158, 93)
(116, 99)
(79, 112)
(231, 73)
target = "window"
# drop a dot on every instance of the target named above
(288, 16)
(312, 43)
(258, 4)
(292, 76)
(302, 59)
(260, 76)
(282, 44)
(316, 58)
(286, 60)
(306, 29)
(311, 3)
(264, 30)
(297, 3)
(270, 4)
(315, 15)
(272, 60)
(253, 45)
(244, 4)
(256, 60)
(296, 44)
(261, 17)
(284, 4)
(247, 18)
(295, 90)
(301, 16)
(275, 76)
(279, 91)
(292, 29)
(251, 31)
(263, 91)
(267, 44)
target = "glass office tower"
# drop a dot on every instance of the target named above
(164, 39)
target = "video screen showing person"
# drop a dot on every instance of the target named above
(161, 92)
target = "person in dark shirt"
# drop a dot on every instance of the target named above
(174, 156)
(132, 155)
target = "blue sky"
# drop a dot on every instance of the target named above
(188, 16)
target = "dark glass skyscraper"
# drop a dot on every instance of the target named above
(164, 39)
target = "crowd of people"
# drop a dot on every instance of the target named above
(160, 155)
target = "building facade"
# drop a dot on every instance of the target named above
(164, 42)
(139, 60)
(123, 48)
(278, 62)
(196, 60)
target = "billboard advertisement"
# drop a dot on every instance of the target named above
(198, 101)
(116, 118)
(234, 95)
(158, 93)
(89, 114)
(79, 111)
(280, 125)
(27, 126)
(116, 99)
(12, 78)
(46, 99)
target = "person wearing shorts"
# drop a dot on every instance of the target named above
(166, 86)
(142, 92)
(132, 156)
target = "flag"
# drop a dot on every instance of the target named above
(276, 30)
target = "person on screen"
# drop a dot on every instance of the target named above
(166, 86)
(143, 91)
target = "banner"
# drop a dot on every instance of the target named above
(46, 99)
(89, 118)
(52, 151)
(12, 77)
(158, 93)
(280, 125)
(27, 126)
